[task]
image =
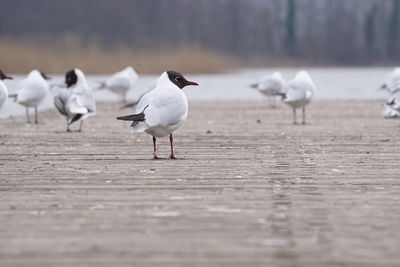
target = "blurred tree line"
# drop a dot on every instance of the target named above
(312, 31)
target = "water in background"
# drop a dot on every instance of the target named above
(332, 83)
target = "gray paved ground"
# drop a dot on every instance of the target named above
(244, 193)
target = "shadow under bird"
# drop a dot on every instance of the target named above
(3, 88)
(162, 110)
(31, 92)
(121, 82)
(299, 93)
(76, 102)
(271, 86)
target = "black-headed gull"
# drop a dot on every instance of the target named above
(121, 82)
(76, 102)
(3, 88)
(162, 110)
(271, 85)
(31, 92)
(299, 93)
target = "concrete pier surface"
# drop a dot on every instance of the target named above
(249, 189)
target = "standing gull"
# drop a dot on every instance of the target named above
(31, 92)
(76, 102)
(3, 88)
(121, 82)
(271, 85)
(163, 110)
(300, 92)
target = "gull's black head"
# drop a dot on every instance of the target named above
(178, 79)
(71, 78)
(4, 77)
(44, 75)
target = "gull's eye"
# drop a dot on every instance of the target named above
(178, 79)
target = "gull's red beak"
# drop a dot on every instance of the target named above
(9, 78)
(192, 83)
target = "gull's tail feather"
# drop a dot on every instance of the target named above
(135, 118)
(75, 118)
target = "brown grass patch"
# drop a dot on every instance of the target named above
(20, 56)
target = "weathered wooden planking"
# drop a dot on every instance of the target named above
(250, 189)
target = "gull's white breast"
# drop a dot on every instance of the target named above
(32, 90)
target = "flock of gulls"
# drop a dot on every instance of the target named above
(164, 108)
(297, 93)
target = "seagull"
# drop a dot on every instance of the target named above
(392, 83)
(76, 102)
(299, 93)
(271, 85)
(3, 88)
(31, 92)
(121, 82)
(392, 86)
(162, 110)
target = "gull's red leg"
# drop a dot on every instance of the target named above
(171, 140)
(155, 149)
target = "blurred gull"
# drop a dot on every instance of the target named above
(121, 82)
(76, 102)
(392, 83)
(162, 110)
(135, 102)
(299, 93)
(3, 88)
(394, 102)
(271, 85)
(31, 92)
(392, 86)
(390, 113)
